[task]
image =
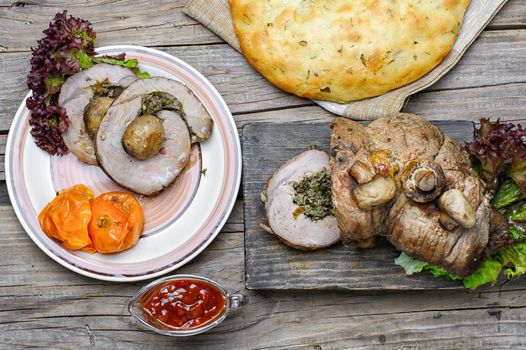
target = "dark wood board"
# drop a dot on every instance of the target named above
(269, 264)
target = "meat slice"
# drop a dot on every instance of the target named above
(283, 217)
(351, 167)
(193, 110)
(76, 94)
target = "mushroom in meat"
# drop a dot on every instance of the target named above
(95, 112)
(457, 206)
(447, 221)
(380, 190)
(149, 176)
(144, 137)
(361, 172)
(423, 181)
(76, 94)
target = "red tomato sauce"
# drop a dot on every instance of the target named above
(183, 304)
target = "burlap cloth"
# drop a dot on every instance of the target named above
(215, 14)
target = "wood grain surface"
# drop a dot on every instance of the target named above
(43, 305)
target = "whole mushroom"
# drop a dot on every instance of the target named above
(143, 137)
(423, 181)
(377, 192)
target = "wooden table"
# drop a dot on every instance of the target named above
(45, 305)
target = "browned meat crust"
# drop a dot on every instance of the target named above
(418, 229)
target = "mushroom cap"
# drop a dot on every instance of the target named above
(423, 181)
(299, 232)
(150, 176)
(75, 95)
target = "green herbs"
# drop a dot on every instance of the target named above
(157, 101)
(313, 196)
(106, 89)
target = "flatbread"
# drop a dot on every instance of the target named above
(344, 50)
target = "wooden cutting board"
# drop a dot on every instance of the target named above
(269, 264)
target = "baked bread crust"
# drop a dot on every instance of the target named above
(342, 50)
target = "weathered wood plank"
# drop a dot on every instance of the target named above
(141, 22)
(44, 305)
(269, 264)
(511, 16)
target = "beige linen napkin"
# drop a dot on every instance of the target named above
(215, 14)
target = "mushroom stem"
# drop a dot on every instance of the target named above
(380, 190)
(456, 205)
(424, 181)
(361, 172)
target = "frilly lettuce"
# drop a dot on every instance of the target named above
(510, 259)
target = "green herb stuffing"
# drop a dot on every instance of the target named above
(157, 101)
(313, 196)
(107, 89)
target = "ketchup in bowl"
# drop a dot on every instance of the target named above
(183, 305)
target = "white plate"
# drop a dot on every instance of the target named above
(179, 223)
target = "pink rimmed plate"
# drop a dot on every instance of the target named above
(179, 223)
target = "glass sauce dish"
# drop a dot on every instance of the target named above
(183, 305)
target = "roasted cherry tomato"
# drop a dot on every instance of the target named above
(66, 218)
(117, 222)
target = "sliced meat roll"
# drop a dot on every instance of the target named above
(77, 93)
(287, 220)
(149, 176)
(192, 110)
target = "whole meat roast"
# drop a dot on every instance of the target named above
(402, 178)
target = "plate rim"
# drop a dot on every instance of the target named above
(185, 260)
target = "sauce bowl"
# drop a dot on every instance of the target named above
(137, 307)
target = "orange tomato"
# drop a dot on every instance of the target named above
(66, 218)
(117, 222)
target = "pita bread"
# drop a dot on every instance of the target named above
(344, 50)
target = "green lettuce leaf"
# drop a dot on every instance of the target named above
(438, 271)
(133, 64)
(488, 272)
(514, 255)
(409, 264)
(508, 193)
(518, 214)
(512, 259)
(518, 232)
